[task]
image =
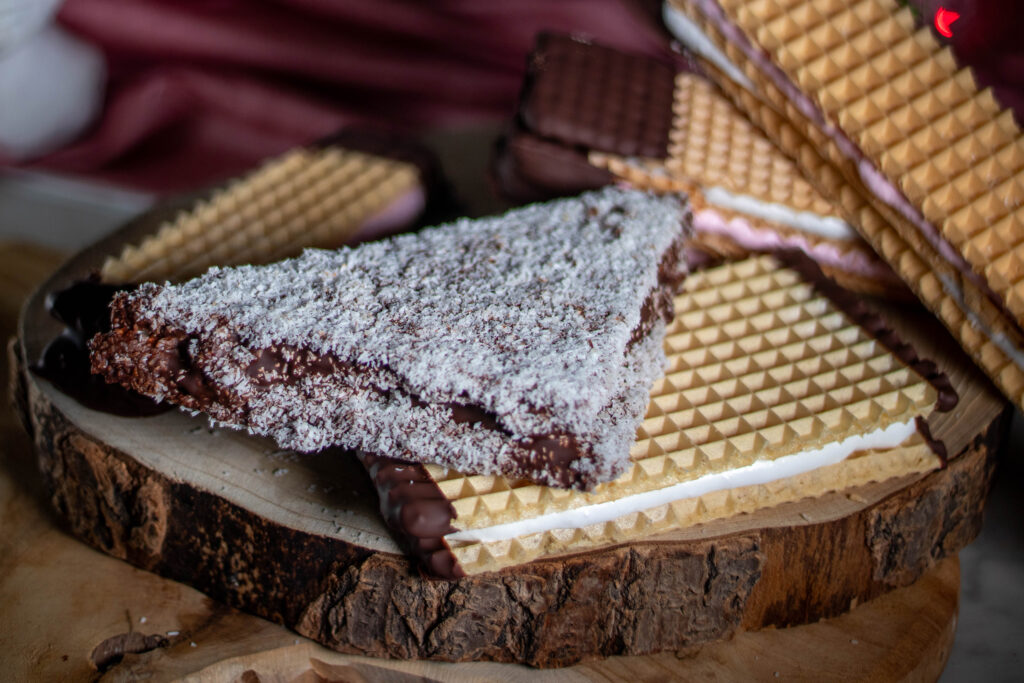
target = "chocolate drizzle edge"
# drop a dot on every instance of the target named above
(937, 446)
(83, 308)
(526, 168)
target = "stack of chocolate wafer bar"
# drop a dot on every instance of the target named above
(548, 381)
(888, 125)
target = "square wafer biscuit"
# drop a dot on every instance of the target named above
(309, 197)
(763, 365)
(885, 122)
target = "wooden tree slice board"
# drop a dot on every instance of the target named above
(297, 539)
(68, 607)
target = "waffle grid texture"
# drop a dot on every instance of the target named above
(820, 158)
(760, 366)
(859, 469)
(902, 98)
(305, 198)
(714, 145)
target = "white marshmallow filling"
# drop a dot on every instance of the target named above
(759, 472)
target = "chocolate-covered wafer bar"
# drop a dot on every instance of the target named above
(597, 98)
(779, 386)
(884, 120)
(521, 345)
(578, 96)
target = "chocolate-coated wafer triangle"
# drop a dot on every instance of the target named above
(522, 344)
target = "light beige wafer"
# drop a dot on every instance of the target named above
(859, 469)
(913, 262)
(761, 366)
(715, 149)
(713, 145)
(650, 174)
(852, 264)
(309, 197)
(957, 157)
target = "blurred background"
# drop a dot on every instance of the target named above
(108, 106)
(160, 97)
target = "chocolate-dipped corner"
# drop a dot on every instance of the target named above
(83, 308)
(415, 508)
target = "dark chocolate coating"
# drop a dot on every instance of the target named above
(598, 98)
(85, 305)
(416, 509)
(84, 309)
(164, 365)
(578, 97)
(938, 447)
(556, 452)
(527, 168)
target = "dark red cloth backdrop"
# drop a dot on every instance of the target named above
(988, 35)
(200, 90)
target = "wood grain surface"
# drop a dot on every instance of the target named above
(792, 564)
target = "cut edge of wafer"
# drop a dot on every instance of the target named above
(861, 468)
(715, 146)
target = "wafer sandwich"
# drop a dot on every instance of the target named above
(888, 124)
(590, 115)
(779, 386)
(523, 345)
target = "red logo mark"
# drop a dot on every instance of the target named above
(944, 18)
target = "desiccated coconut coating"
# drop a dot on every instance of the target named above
(532, 319)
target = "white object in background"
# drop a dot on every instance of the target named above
(51, 88)
(22, 19)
